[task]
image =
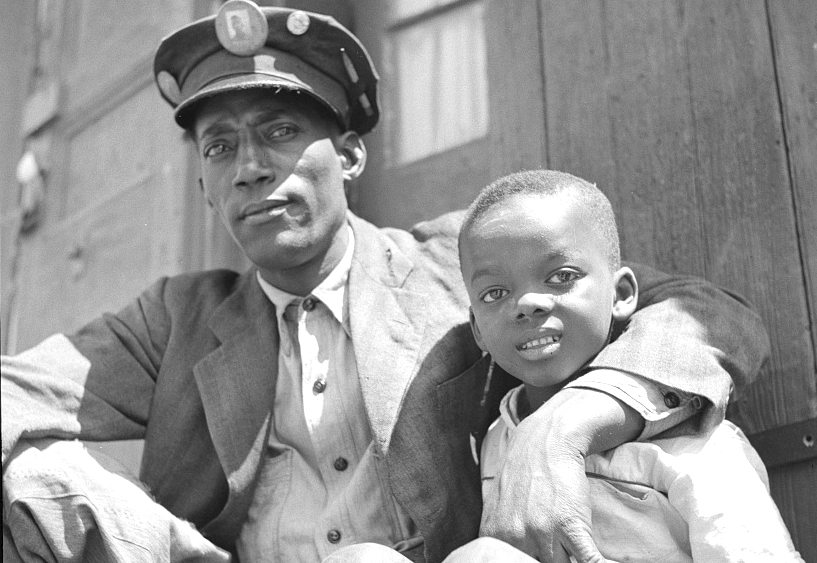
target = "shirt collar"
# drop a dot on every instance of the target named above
(331, 291)
(509, 407)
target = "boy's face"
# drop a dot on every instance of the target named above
(541, 288)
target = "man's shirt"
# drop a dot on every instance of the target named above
(322, 485)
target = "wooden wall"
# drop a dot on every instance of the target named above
(699, 120)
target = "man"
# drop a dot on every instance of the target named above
(323, 398)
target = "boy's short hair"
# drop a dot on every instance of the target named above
(549, 183)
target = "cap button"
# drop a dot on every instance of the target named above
(298, 22)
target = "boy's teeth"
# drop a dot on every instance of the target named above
(541, 342)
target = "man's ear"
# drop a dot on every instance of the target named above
(475, 330)
(204, 193)
(625, 298)
(352, 154)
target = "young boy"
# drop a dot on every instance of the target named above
(539, 254)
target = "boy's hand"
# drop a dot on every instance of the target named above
(541, 505)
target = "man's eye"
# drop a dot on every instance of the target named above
(493, 294)
(215, 149)
(282, 131)
(563, 277)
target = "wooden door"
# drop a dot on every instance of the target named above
(115, 207)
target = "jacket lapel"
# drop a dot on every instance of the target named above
(237, 380)
(387, 326)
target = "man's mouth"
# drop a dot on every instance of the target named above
(269, 207)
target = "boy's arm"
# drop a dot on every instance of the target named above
(688, 341)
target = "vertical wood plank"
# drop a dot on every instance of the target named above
(793, 489)
(793, 27)
(745, 194)
(516, 89)
(579, 129)
(794, 35)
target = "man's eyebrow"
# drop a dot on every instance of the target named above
(223, 126)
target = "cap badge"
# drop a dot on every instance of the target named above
(298, 22)
(169, 87)
(241, 27)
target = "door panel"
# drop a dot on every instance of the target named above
(116, 209)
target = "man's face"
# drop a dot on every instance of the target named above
(540, 286)
(272, 168)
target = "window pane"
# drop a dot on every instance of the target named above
(442, 98)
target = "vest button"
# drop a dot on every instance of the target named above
(333, 536)
(341, 464)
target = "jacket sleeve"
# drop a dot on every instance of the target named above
(689, 335)
(96, 384)
(722, 492)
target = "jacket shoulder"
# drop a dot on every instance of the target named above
(211, 286)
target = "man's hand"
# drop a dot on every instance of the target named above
(541, 504)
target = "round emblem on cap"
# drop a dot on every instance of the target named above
(169, 87)
(298, 22)
(241, 27)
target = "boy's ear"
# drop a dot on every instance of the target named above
(475, 330)
(352, 154)
(625, 298)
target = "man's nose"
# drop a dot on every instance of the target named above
(533, 304)
(253, 164)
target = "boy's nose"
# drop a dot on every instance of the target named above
(534, 304)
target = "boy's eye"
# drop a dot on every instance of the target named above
(563, 277)
(493, 294)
